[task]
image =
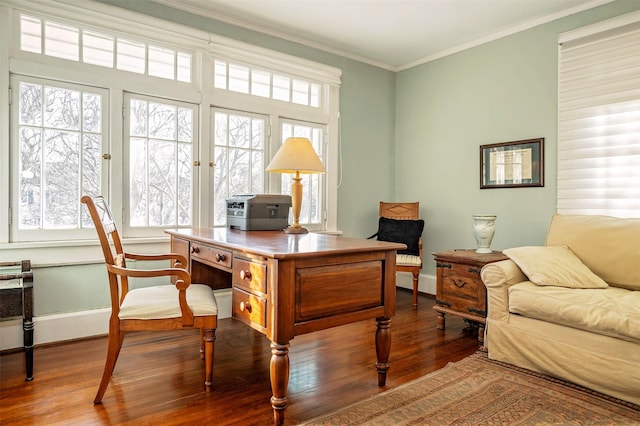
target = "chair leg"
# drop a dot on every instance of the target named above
(209, 337)
(115, 344)
(416, 276)
(202, 343)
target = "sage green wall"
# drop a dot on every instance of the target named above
(505, 90)
(413, 135)
(367, 109)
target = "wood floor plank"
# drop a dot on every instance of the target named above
(158, 378)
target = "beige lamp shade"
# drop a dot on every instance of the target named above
(296, 155)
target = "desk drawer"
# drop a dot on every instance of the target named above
(249, 308)
(252, 275)
(214, 256)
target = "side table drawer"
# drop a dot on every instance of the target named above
(249, 308)
(461, 282)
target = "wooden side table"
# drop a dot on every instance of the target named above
(16, 299)
(459, 289)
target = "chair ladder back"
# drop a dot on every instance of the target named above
(405, 211)
(408, 211)
(105, 226)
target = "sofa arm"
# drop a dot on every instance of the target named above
(498, 277)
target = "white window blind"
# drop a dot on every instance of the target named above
(599, 123)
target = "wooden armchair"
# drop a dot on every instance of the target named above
(162, 307)
(406, 262)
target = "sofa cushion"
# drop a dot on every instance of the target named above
(554, 266)
(612, 311)
(609, 246)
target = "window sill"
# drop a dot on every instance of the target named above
(61, 253)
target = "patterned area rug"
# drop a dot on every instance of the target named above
(479, 391)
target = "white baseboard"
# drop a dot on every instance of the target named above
(77, 325)
(426, 283)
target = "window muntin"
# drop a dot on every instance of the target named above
(239, 157)
(65, 41)
(161, 145)
(99, 46)
(60, 133)
(259, 82)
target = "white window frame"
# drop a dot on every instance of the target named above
(216, 166)
(326, 115)
(40, 234)
(278, 179)
(131, 231)
(104, 17)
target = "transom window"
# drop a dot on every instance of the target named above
(98, 48)
(266, 84)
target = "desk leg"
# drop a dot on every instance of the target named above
(383, 347)
(279, 370)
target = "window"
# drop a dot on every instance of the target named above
(59, 139)
(161, 144)
(312, 212)
(238, 152)
(66, 41)
(259, 82)
(599, 123)
(95, 110)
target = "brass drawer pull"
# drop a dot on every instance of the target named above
(245, 306)
(220, 257)
(443, 265)
(245, 275)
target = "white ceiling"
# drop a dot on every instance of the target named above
(392, 34)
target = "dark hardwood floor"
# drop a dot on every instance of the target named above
(158, 378)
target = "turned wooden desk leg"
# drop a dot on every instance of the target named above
(440, 321)
(383, 347)
(279, 371)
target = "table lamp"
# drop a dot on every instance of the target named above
(297, 156)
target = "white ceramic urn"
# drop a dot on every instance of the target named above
(484, 227)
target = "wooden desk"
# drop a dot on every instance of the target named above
(16, 299)
(285, 285)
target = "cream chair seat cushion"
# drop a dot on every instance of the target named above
(408, 260)
(162, 302)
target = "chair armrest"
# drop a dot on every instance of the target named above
(181, 261)
(498, 277)
(180, 273)
(182, 283)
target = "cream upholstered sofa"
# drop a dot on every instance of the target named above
(589, 336)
